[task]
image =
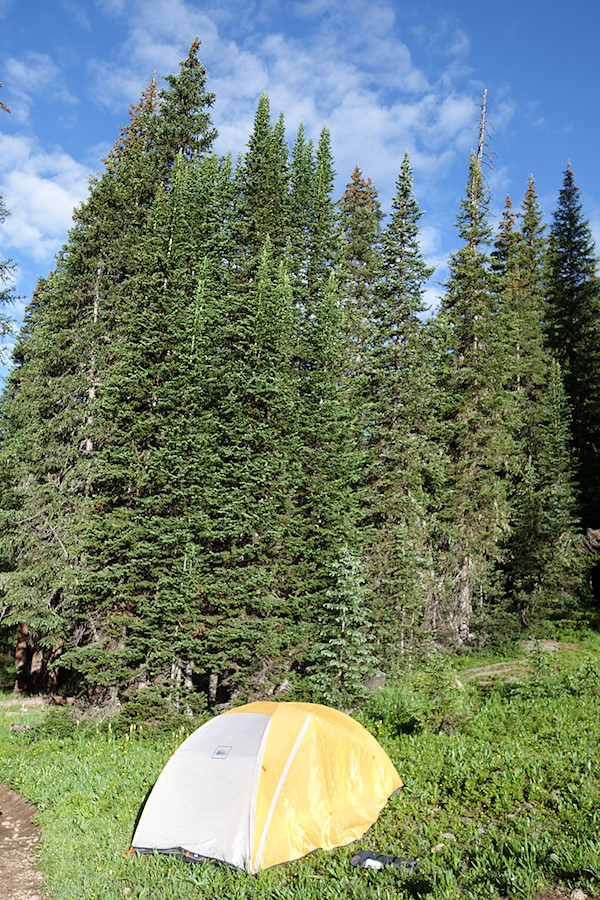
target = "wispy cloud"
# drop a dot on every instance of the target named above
(41, 189)
(341, 68)
(78, 13)
(31, 75)
(346, 63)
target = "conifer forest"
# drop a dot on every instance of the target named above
(239, 457)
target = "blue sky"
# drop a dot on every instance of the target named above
(384, 75)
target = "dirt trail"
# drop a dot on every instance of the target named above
(512, 669)
(19, 878)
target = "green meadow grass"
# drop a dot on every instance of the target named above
(501, 796)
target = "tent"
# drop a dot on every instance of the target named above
(267, 783)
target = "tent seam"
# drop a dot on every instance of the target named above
(278, 790)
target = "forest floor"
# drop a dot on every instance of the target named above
(19, 836)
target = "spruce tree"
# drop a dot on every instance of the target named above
(43, 417)
(133, 538)
(263, 188)
(479, 431)
(397, 412)
(302, 170)
(344, 655)
(359, 221)
(245, 376)
(572, 325)
(184, 125)
(546, 565)
(543, 537)
(326, 499)
(71, 341)
(322, 238)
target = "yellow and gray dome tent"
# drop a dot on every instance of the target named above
(267, 783)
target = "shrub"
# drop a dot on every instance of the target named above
(152, 709)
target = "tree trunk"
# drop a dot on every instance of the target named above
(213, 681)
(465, 602)
(22, 658)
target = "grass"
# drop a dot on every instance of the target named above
(501, 797)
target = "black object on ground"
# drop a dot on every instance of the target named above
(368, 859)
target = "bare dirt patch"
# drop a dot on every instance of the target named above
(19, 837)
(512, 670)
(22, 704)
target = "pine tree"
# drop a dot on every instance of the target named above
(326, 499)
(572, 323)
(543, 537)
(264, 188)
(302, 171)
(359, 221)
(71, 341)
(246, 379)
(133, 538)
(343, 650)
(479, 419)
(322, 239)
(397, 412)
(547, 567)
(184, 124)
(43, 433)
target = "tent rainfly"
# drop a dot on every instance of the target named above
(267, 783)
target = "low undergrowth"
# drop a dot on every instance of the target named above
(501, 797)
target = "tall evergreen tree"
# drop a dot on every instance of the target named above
(546, 565)
(479, 410)
(184, 124)
(344, 638)
(302, 171)
(44, 421)
(264, 188)
(322, 238)
(572, 322)
(397, 412)
(71, 339)
(245, 374)
(326, 499)
(543, 539)
(134, 537)
(359, 221)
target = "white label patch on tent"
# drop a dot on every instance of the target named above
(221, 753)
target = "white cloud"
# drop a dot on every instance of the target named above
(339, 72)
(310, 8)
(41, 190)
(31, 75)
(159, 33)
(429, 240)
(455, 120)
(345, 63)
